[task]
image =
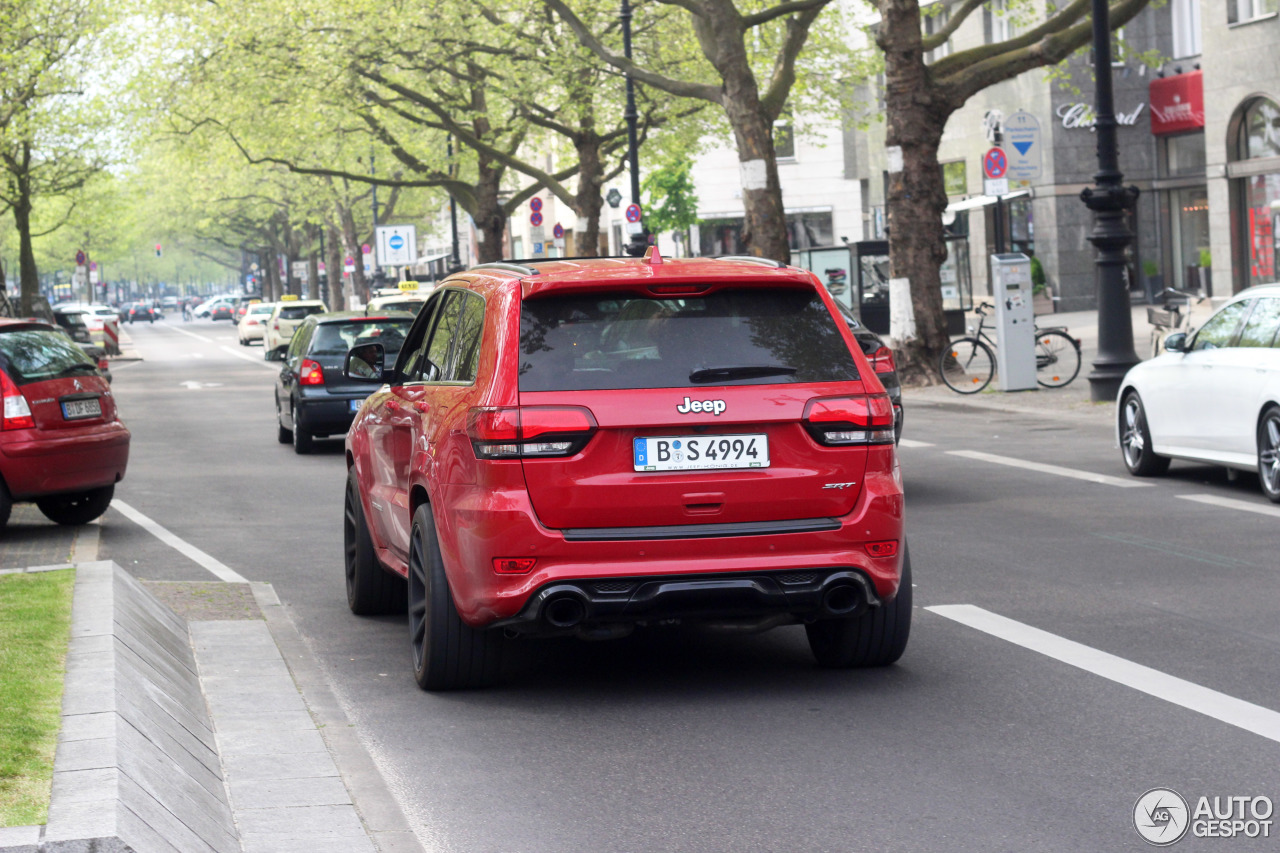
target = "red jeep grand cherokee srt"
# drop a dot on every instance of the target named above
(580, 447)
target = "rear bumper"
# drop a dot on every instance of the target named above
(35, 465)
(325, 415)
(722, 572)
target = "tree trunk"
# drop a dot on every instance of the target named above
(333, 262)
(351, 245)
(588, 201)
(916, 117)
(491, 220)
(765, 231)
(28, 275)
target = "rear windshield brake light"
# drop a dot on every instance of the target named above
(882, 360)
(521, 432)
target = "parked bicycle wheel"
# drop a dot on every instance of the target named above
(1057, 358)
(967, 365)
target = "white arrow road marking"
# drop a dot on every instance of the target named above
(1087, 476)
(1228, 709)
(196, 386)
(909, 442)
(1232, 503)
(219, 570)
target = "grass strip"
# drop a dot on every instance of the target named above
(35, 626)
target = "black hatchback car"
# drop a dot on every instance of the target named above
(313, 398)
(881, 358)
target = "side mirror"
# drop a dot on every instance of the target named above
(365, 363)
(1177, 342)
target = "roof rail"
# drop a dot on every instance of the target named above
(769, 262)
(518, 269)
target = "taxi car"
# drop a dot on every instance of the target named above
(283, 320)
(584, 447)
(254, 322)
(1213, 396)
(62, 444)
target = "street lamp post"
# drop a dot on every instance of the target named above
(639, 242)
(1110, 201)
(455, 262)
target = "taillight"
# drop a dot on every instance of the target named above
(887, 548)
(276, 325)
(529, 431)
(844, 421)
(310, 373)
(513, 565)
(17, 414)
(102, 364)
(882, 360)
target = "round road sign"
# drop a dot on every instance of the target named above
(535, 218)
(995, 163)
(633, 213)
(396, 242)
(80, 259)
(535, 204)
(558, 231)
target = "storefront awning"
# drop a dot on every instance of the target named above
(984, 200)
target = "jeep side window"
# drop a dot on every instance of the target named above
(427, 360)
(466, 349)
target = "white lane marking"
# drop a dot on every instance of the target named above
(1228, 709)
(189, 334)
(908, 442)
(193, 385)
(1087, 476)
(1232, 503)
(219, 569)
(258, 361)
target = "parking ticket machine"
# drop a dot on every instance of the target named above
(1015, 322)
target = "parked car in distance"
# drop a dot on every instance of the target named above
(593, 446)
(139, 311)
(399, 302)
(313, 398)
(881, 359)
(1212, 396)
(223, 311)
(285, 317)
(62, 444)
(252, 324)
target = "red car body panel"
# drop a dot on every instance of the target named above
(410, 444)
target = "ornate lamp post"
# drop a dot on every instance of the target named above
(1110, 202)
(639, 242)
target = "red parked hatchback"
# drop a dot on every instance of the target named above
(61, 442)
(585, 446)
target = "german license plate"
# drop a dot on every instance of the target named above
(355, 405)
(700, 452)
(75, 409)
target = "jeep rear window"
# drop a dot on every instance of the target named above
(731, 337)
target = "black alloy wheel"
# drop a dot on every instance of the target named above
(876, 638)
(448, 654)
(371, 589)
(1135, 439)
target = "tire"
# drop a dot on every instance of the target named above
(1057, 358)
(302, 440)
(72, 510)
(967, 365)
(1135, 439)
(448, 654)
(1269, 454)
(371, 589)
(6, 504)
(876, 638)
(284, 436)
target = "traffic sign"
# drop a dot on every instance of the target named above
(614, 198)
(80, 258)
(995, 186)
(397, 245)
(535, 204)
(535, 218)
(994, 163)
(558, 231)
(633, 213)
(1022, 130)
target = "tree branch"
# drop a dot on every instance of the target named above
(953, 23)
(766, 15)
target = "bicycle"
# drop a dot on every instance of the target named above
(969, 363)
(1169, 316)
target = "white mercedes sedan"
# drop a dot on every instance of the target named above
(1212, 396)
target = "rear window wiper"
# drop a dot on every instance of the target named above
(80, 366)
(739, 371)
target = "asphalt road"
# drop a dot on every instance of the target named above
(1027, 719)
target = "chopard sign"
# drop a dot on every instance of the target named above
(1079, 116)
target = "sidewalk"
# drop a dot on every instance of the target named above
(1072, 400)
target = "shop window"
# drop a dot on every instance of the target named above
(1258, 223)
(1183, 156)
(1243, 11)
(1022, 228)
(804, 230)
(1260, 130)
(1186, 28)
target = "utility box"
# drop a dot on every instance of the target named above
(1015, 322)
